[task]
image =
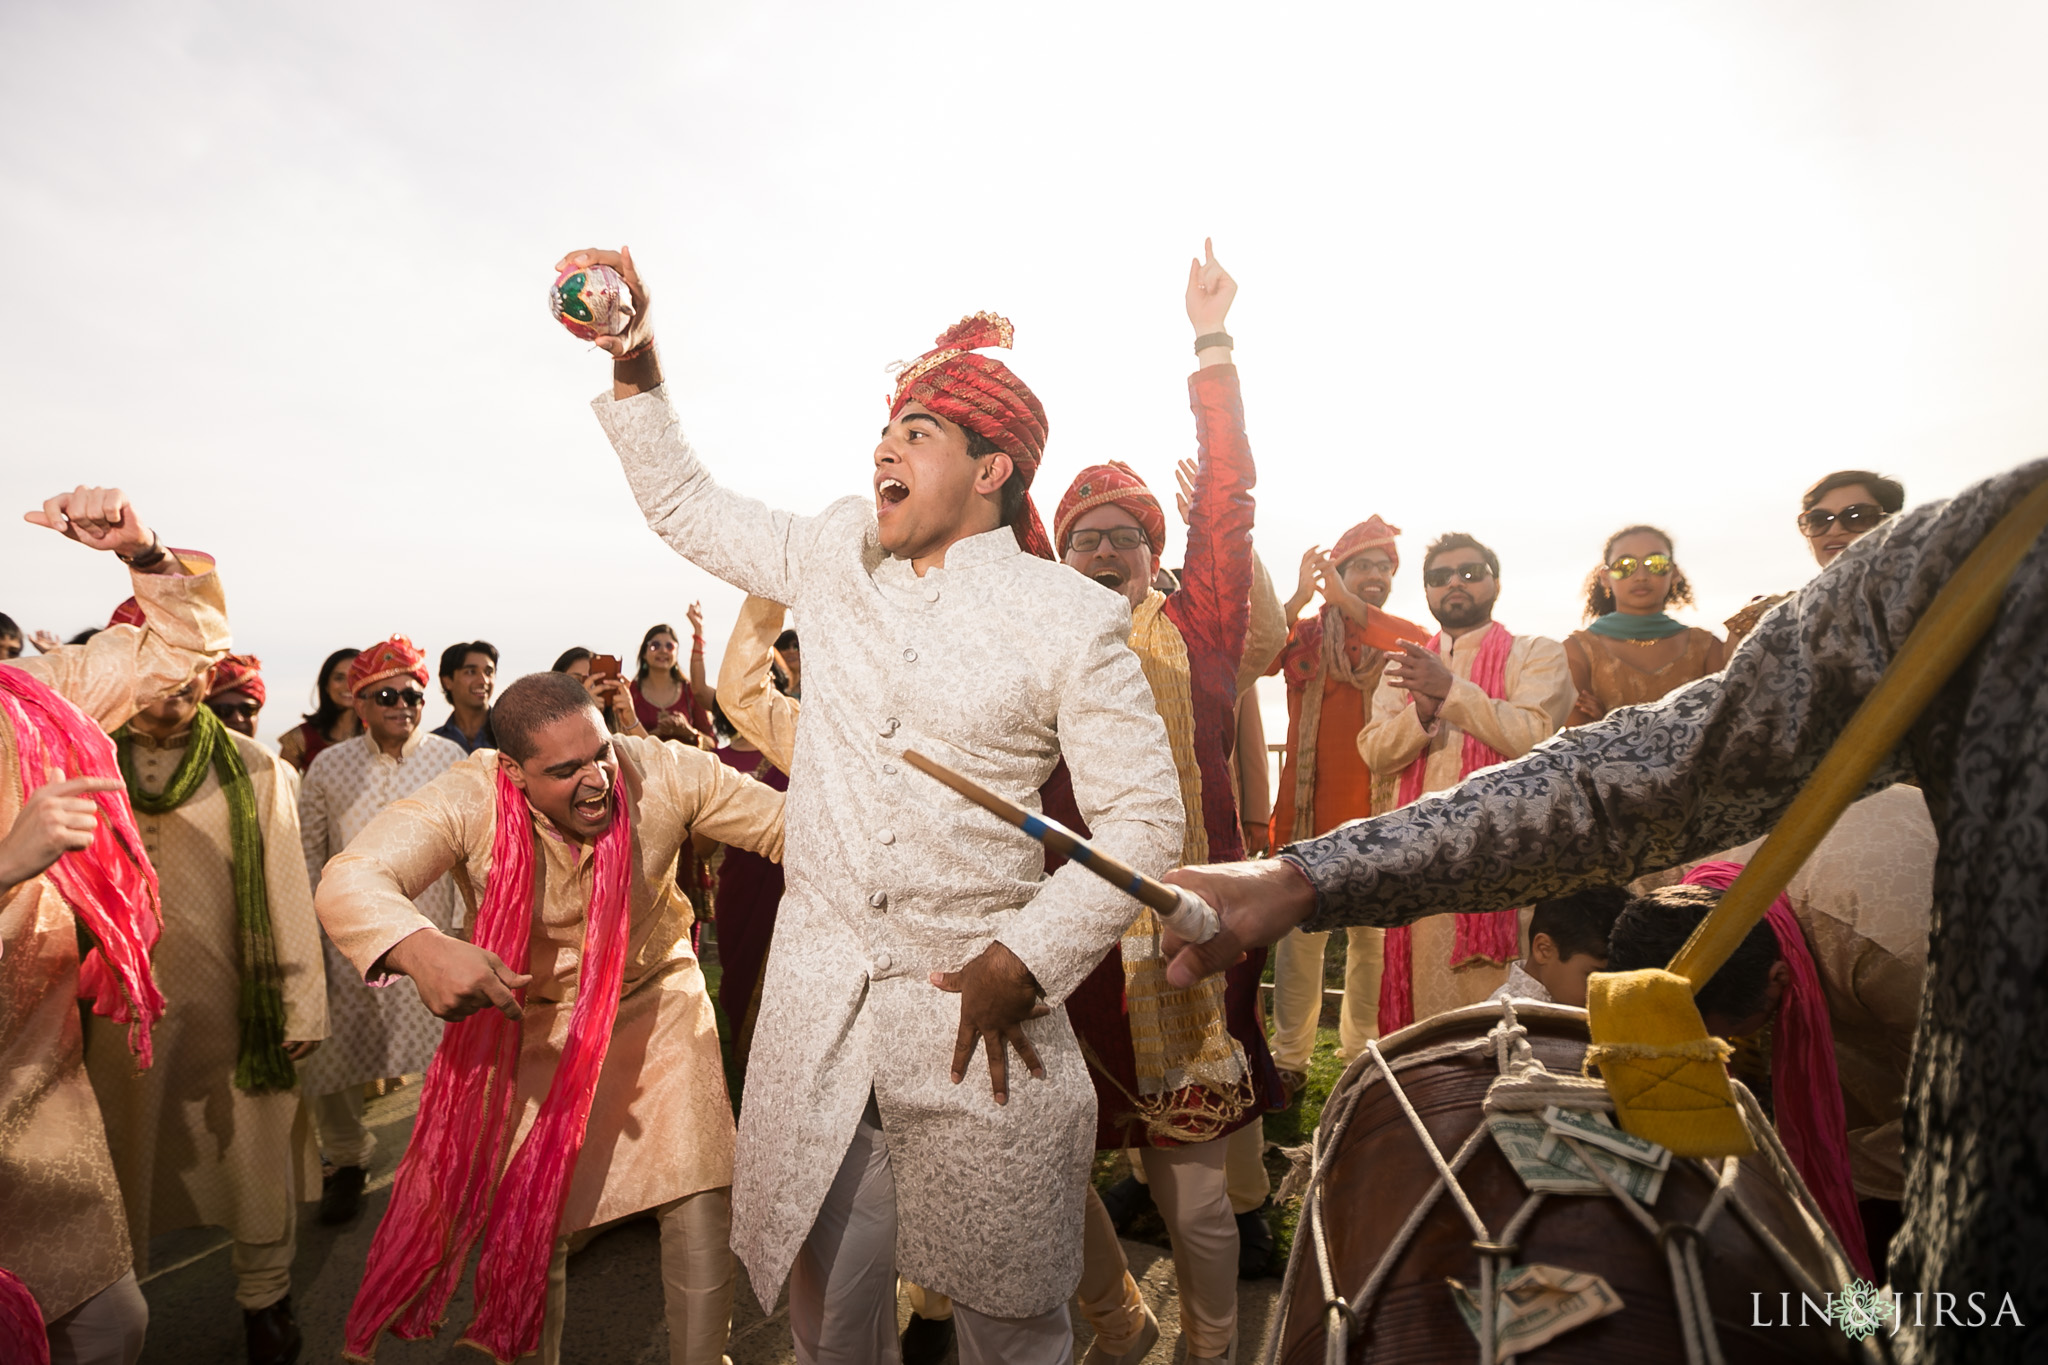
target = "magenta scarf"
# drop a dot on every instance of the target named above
(23, 1338)
(109, 885)
(447, 1187)
(1495, 936)
(1806, 1091)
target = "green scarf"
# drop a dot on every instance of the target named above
(1619, 625)
(262, 1063)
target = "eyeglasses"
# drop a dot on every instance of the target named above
(1856, 518)
(1123, 537)
(391, 696)
(232, 710)
(1464, 573)
(1626, 566)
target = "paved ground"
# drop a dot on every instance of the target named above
(614, 1291)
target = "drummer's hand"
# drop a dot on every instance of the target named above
(1257, 902)
(997, 994)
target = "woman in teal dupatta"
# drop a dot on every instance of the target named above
(1632, 651)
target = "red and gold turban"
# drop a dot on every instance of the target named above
(1100, 486)
(1370, 534)
(983, 395)
(392, 658)
(129, 613)
(238, 673)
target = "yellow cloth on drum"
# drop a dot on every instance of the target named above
(1668, 1078)
(1178, 1037)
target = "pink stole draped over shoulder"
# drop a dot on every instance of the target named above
(109, 884)
(448, 1184)
(1494, 936)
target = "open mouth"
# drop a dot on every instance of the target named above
(1108, 578)
(889, 492)
(592, 808)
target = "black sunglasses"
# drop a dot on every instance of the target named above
(391, 696)
(1856, 518)
(228, 709)
(1123, 537)
(1467, 573)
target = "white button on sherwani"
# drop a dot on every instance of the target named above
(997, 664)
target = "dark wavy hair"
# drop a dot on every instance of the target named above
(1890, 493)
(573, 655)
(325, 712)
(1655, 926)
(640, 655)
(1600, 587)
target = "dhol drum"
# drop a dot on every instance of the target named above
(1419, 1212)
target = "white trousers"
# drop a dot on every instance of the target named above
(1244, 1164)
(1298, 995)
(842, 1289)
(106, 1329)
(338, 1123)
(696, 1279)
(1191, 1186)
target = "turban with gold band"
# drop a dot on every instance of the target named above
(239, 673)
(983, 395)
(396, 657)
(1101, 486)
(1370, 534)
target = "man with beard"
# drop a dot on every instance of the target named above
(1473, 696)
(935, 620)
(381, 1033)
(213, 1134)
(614, 1045)
(1332, 663)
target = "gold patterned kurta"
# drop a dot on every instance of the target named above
(190, 1149)
(660, 1125)
(62, 1229)
(1539, 697)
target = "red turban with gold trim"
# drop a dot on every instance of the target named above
(392, 658)
(983, 395)
(1101, 485)
(1370, 534)
(129, 613)
(238, 673)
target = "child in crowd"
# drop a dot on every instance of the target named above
(1567, 943)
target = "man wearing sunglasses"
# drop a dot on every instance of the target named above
(237, 694)
(1472, 696)
(374, 1034)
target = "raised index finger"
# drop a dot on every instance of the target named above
(78, 786)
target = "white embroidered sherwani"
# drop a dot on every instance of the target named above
(995, 664)
(62, 1229)
(385, 1031)
(191, 1150)
(660, 1123)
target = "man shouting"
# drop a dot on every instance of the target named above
(934, 619)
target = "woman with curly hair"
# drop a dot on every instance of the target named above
(1631, 651)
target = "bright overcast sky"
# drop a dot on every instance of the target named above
(1533, 271)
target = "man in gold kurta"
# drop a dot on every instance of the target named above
(191, 1147)
(1427, 703)
(62, 1228)
(660, 1132)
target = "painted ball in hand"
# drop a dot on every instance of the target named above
(592, 301)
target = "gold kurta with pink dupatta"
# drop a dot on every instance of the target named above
(661, 1124)
(62, 1229)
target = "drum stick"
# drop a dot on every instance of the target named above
(1187, 914)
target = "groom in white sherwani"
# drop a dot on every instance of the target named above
(934, 618)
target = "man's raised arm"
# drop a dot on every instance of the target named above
(736, 538)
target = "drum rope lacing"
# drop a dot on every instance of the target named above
(1526, 1084)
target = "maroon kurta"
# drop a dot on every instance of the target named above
(1211, 610)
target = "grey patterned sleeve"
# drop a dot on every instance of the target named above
(1708, 767)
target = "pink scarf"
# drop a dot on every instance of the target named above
(23, 1338)
(445, 1189)
(110, 885)
(1806, 1091)
(1494, 936)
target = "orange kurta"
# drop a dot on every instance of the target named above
(1343, 782)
